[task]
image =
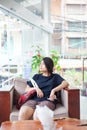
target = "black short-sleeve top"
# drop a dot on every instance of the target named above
(46, 84)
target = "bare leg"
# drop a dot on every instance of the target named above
(25, 113)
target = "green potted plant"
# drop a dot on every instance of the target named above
(37, 58)
(55, 57)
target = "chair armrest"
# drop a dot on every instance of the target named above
(71, 101)
(19, 88)
(20, 82)
(64, 98)
(20, 85)
(11, 98)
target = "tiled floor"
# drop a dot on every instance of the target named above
(83, 107)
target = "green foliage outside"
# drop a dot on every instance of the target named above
(74, 77)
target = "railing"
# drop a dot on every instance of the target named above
(8, 82)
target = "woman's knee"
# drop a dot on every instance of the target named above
(25, 113)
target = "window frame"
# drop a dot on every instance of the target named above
(81, 46)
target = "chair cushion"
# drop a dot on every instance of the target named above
(20, 85)
(16, 97)
(14, 114)
(60, 111)
(58, 94)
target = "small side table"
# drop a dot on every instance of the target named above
(6, 98)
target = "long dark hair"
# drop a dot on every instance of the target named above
(49, 64)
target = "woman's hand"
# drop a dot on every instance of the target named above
(40, 94)
(52, 95)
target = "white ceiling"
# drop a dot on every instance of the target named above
(28, 2)
(32, 5)
(15, 8)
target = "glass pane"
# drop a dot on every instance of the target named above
(76, 26)
(77, 42)
(16, 40)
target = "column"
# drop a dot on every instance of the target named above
(63, 28)
(46, 16)
(46, 10)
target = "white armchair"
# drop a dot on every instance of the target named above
(69, 106)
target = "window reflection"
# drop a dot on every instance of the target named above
(12, 36)
(16, 39)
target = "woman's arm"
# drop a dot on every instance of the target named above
(40, 94)
(64, 84)
(38, 90)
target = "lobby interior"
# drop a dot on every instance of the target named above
(44, 27)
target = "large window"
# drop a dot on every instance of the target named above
(16, 39)
(77, 43)
(76, 9)
(77, 26)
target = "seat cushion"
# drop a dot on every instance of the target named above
(20, 85)
(14, 114)
(60, 111)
